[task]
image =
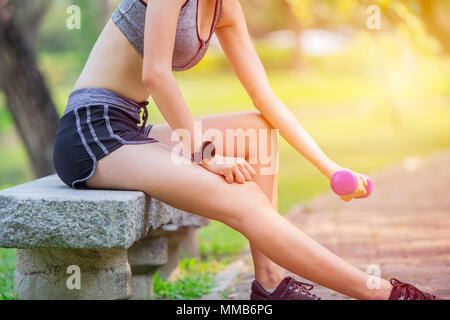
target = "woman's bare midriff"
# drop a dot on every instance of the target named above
(115, 65)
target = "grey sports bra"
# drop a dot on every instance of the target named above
(189, 48)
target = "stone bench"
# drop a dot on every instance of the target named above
(91, 244)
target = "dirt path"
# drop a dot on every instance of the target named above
(403, 228)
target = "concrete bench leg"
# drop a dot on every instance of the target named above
(183, 243)
(107, 274)
(145, 257)
(160, 253)
(43, 274)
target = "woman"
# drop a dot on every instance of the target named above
(100, 145)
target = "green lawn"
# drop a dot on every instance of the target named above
(7, 264)
(359, 121)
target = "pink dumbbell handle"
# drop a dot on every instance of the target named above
(369, 187)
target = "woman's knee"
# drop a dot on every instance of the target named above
(245, 205)
(256, 119)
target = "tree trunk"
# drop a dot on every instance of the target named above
(27, 97)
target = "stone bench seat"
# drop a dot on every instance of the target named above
(117, 239)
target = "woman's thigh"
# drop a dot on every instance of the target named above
(233, 127)
(156, 170)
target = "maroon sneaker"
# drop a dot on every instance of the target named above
(288, 289)
(406, 291)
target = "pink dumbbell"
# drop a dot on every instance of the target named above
(345, 182)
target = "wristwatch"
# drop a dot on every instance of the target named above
(207, 151)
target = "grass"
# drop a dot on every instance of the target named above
(15, 167)
(218, 242)
(219, 245)
(7, 264)
(195, 280)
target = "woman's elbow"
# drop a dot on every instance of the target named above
(154, 76)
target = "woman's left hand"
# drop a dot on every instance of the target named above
(361, 188)
(232, 169)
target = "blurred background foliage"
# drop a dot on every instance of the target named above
(368, 97)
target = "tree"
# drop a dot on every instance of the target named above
(433, 14)
(27, 96)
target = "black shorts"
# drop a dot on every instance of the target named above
(95, 123)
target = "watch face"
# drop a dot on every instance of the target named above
(208, 150)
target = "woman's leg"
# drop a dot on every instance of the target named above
(150, 168)
(267, 273)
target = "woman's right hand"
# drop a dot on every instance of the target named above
(232, 169)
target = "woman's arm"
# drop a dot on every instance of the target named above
(236, 43)
(159, 41)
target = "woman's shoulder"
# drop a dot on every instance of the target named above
(228, 16)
